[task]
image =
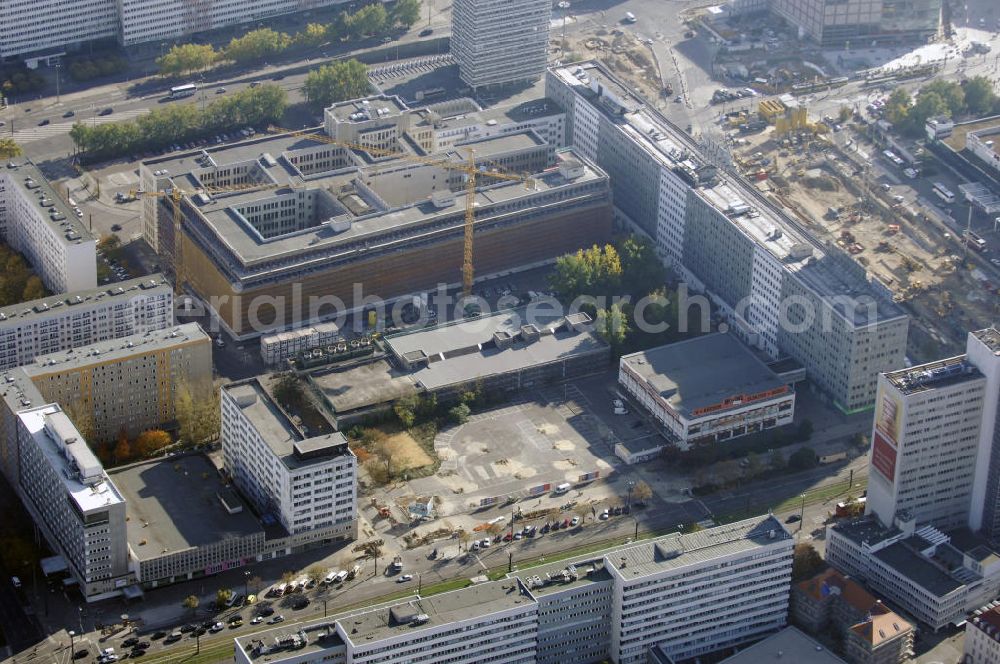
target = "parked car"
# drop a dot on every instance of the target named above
(405, 578)
(107, 111)
(69, 114)
(42, 123)
(426, 31)
(277, 619)
(575, 521)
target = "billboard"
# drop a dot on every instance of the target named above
(884, 456)
(888, 417)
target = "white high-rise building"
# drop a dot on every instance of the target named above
(62, 322)
(72, 500)
(36, 222)
(934, 450)
(308, 484)
(497, 42)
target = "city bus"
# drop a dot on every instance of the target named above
(181, 91)
(974, 241)
(944, 193)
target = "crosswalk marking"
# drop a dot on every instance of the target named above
(30, 134)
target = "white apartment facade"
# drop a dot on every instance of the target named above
(35, 222)
(777, 289)
(308, 484)
(80, 318)
(982, 636)
(497, 43)
(72, 500)
(51, 27)
(687, 594)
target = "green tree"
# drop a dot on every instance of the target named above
(336, 82)
(314, 35)
(979, 95)
(806, 562)
(593, 272)
(339, 27)
(197, 411)
(316, 572)
(405, 409)
(803, 458)
(898, 106)
(845, 113)
(9, 149)
(641, 492)
(369, 20)
(459, 414)
(151, 441)
(184, 58)
(641, 269)
(928, 105)
(257, 45)
(191, 603)
(949, 91)
(33, 289)
(612, 326)
(777, 460)
(223, 595)
(405, 13)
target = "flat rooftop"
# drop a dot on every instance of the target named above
(82, 475)
(179, 503)
(17, 314)
(362, 385)
(676, 551)
(957, 139)
(116, 350)
(934, 375)
(286, 440)
(789, 644)
(367, 222)
(557, 577)
(464, 350)
(866, 530)
(820, 268)
(367, 108)
(704, 371)
(918, 569)
(989, 337)
(30, 180)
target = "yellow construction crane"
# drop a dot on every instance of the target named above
(469, 168)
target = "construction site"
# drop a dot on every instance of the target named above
(831, 190)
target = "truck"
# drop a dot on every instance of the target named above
(974, 241)
(397, 564)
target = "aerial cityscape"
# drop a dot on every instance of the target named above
(690, 356)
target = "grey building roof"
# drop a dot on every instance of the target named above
(703, 371)
(787, 645)
(178, 503)
(116, 349)
(866, 530)
(463, 351)
(124, 290)
(918, 569)
(676, 551)
(280, 434)
(30, 179)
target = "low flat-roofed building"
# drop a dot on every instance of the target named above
(787, 645)
(309, 229)
(280, 346)
(308, 484)
(35, 221)
(184, 522)
(707, 389)
(82, 317)
(130, 383)
(507, 351)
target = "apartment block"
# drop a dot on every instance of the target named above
(35, 221)
(500, 43)
(775, 286)
(871, 632)
(278, 347)
(308, 484)
(72, 500)
(844, 22)
(63, 322)
(51, 27)
(982, 636)
(682, 595)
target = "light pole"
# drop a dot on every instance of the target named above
(58, 66)
(72, 636)
(246, 584)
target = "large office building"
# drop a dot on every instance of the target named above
(72, 500)
(308, 484)
(684, 595)
(35, 221)
(843, 23)
(982, 636)
(129, 384)
(777, 288)
(315, 229)
(934, 450)
(62, 322)
(498, 43)
(706, 390)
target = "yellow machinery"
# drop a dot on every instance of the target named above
(469, 168)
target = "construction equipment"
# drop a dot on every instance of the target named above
(469, 168)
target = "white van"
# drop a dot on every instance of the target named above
(339, 578)
(630, 17)
(280, 589)
(563, 488)
(328, 579)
